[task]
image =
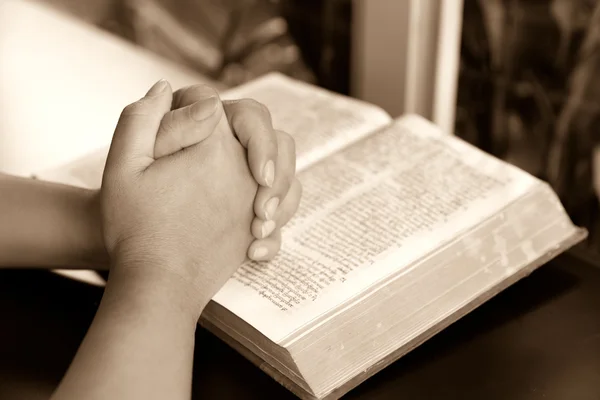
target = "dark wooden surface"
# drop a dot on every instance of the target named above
(540, 339)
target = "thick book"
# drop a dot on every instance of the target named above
(401, 231)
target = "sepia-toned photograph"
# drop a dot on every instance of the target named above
(527, 93)
(299, 199)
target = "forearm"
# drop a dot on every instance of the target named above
(139, 346)
(48, 225)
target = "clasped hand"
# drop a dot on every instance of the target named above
(193, 187)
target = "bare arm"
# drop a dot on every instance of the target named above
(140, 344)
(47, 225)
(173, 243)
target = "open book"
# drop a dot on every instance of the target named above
(401, 231)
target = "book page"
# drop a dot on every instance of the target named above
(367, 213)
(321, 122)
(84, 172)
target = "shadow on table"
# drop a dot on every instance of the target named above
(491, 353)
(516, 346)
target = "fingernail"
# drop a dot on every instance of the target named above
(271, 207)
(259, 253)
(269, 173)
(157, 88)
(204, 108)
(267, 228)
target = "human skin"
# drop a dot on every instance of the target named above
(164, 223)
(50, 225)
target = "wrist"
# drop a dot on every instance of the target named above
(155, 289)
(94, 253)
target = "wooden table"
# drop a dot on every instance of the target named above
(540, 339)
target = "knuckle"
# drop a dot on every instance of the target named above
(256, 107)
(293, 195)
(287, 142)
(285, 181)
(189, 95)
(297, 186)
(289, 180)
(251, 123)
(138, 108)
(169, 124)
(253, 103)
(287, 151)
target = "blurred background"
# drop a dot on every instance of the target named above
(529, 93)
(514, 77)
(234, 41)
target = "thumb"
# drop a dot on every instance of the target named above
(191, 124)
(135, 134)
